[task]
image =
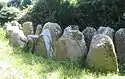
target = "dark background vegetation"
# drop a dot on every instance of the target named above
(84, 13)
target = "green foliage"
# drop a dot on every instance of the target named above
(25, 3)
(47, 10)
(2, 4)
(81, 12)
(100, 12)
(9, 14)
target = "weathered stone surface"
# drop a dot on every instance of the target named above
(38, 29)
(31, 43)
(74, 27)
(28, 28)
(18, 39)
(71, 44)
(6, 25)
(15, 23)
(20, 27)
(54, 28)
(102, 53)
(39, 48)
(88, 33)
(120, 45)
(43, 44)
(8, 28)
(50, 33)
(105, 31)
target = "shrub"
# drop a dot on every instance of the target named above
(25, 3)
(83, 13)
(2, 4)
(40, 13)
(9, 14)
(47, 10)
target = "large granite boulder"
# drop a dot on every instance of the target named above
(70, 44)
(38, 29)
(43, 45)
(105, 31)
(120, 45)
(102, 54)
(28, 28)
(54, 28)
(88, 33)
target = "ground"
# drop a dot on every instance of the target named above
(16, 64)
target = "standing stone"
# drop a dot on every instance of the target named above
(9, 30)
(7, 24)
(44, 45)
(28, 28)
(88, 33)
(48, 42)
(38, 29)
(20, 27)
(71, 44)
(15, 40)
(18, 39)
(15, 23)
(105, 31)
(31, 43)
(120, 45)
(102, 53)
(73, 27)
(54, 28)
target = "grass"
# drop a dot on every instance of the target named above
(17, 64)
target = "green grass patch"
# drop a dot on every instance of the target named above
(17, 64)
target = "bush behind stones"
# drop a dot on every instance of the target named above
(83, 13)
(9, 14)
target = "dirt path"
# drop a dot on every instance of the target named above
(6, 69)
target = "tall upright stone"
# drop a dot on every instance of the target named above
(50, 33)
(120, 45)
(31, 43)
(105, 31)
(8, 28)
(70, 44)
(88, 33)
(17, 39)
(28, 28)
(15, 23)
(44, 45)
(7, 24)
(102, 54)
(54, 28)
(38, 29)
